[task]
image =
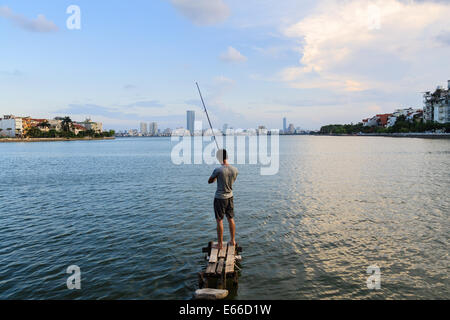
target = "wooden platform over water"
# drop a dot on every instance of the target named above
(221, 261)
(221, 266)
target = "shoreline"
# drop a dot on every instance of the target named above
(394, 135)
(11, 140)
(386, 135)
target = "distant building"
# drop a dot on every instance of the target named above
(167, 132)
(76, 128)
(56, 123)
(291, 129)
(371, 122)
(262, 130)
(190, 121)
(133, 133)
(179, 132)
(436, 105)
(383, 119)
(90, 125)
(229, 132)
(284, 125)
(144, 129)
(153, 129)
(380, 120)
(41, 124)
(224, 128)
(11, 126)
(410, 114)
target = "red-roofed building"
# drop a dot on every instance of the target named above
(383, 119)
(77, 128)
(380, 120)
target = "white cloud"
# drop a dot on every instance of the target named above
(223, 81)
(40, 24)
(203, 12)
(232, 56)
(345, 47)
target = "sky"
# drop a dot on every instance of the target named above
(314, 62)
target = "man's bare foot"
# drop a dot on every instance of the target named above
(219, 245)
(232, 243)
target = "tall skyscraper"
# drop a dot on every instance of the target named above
(284, 125)
(190, 119)
(153, 128)
(144, 128)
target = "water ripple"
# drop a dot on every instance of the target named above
(135, 223)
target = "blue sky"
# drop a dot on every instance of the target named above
(257, 61)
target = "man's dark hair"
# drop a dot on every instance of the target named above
(222, 155)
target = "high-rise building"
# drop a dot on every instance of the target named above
(11, 126)
(437, 105)
(284, 125)
(144, 129)
(190, 120)
(153, 128)
(225, 127)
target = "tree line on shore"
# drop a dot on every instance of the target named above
(45, 130)
(402, 125)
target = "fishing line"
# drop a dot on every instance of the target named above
(207, 115)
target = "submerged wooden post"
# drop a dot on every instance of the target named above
(210, 294)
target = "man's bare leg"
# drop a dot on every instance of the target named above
(219, 234)
(232, 231)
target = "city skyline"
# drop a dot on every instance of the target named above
(190, 121)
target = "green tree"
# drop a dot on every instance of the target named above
(52, 133)
(44, 124)
(66, 124)
(34, 132)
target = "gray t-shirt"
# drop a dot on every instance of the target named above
(226, 176)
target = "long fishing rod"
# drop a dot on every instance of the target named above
(207, 115)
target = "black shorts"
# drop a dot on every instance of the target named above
(224, 207)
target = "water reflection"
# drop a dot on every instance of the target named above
(135, 223)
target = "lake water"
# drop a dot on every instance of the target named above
(135, 223)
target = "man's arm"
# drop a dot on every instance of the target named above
(213, 177)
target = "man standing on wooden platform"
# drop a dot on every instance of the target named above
(223, 201)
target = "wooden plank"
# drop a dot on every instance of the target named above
(231, 249)
(211, 268)
(213, 256)
(230, 254)
(220, 265)
(221, 262)
(229, 265)
(229, 268)
(223, 252)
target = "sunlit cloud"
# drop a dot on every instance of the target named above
(344, 48)
(232, 56)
